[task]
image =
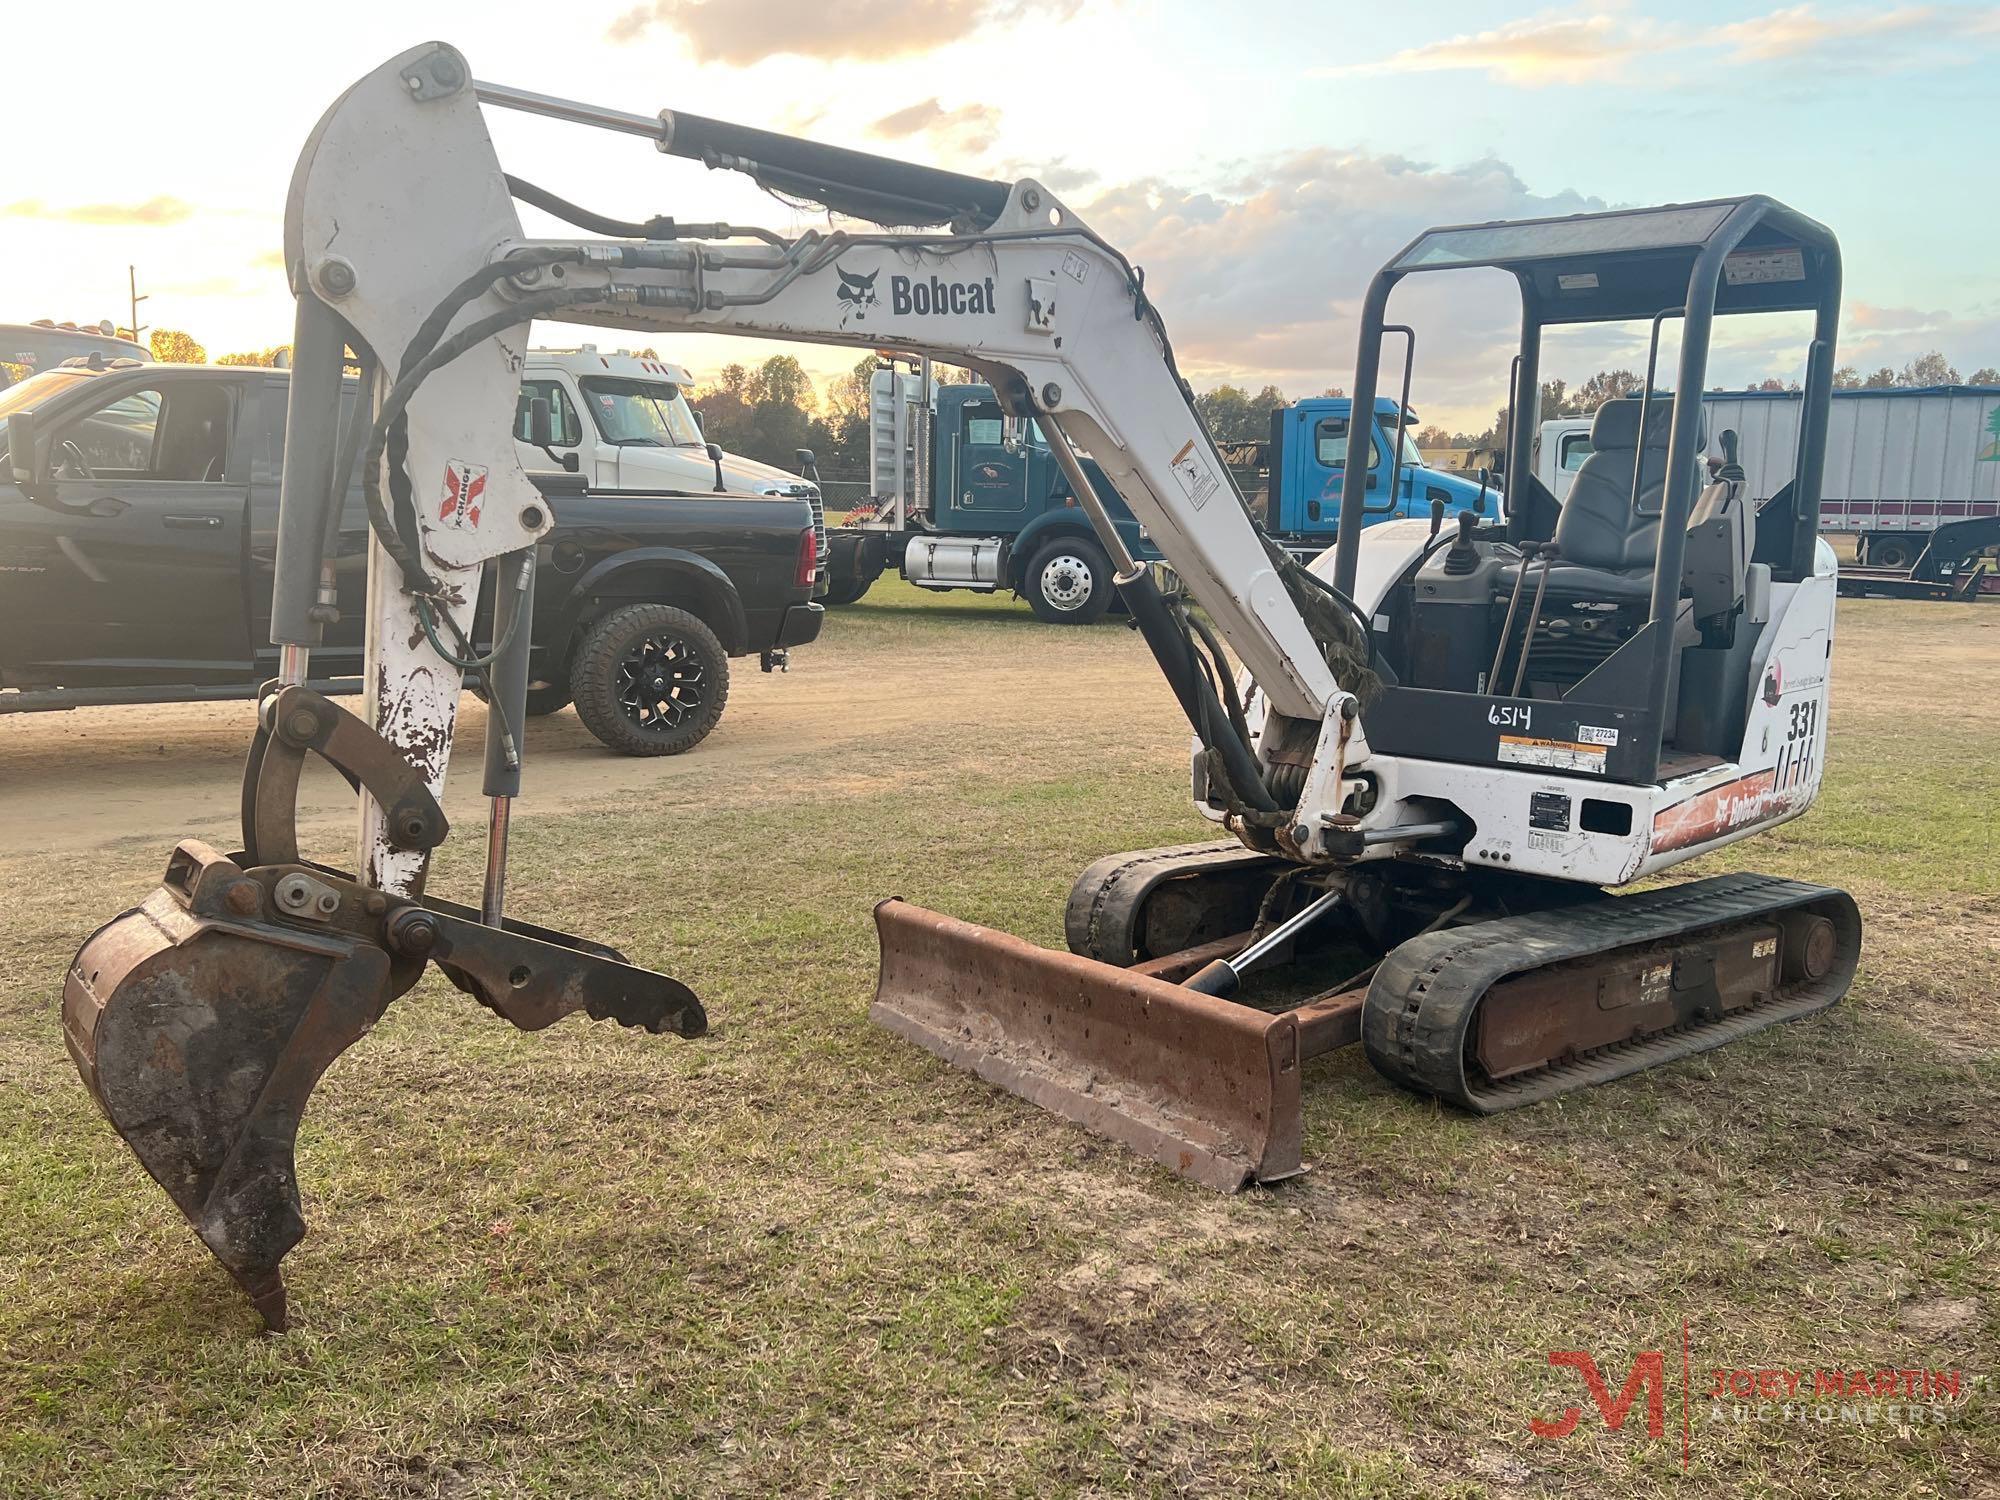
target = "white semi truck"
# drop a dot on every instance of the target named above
(1899, 463)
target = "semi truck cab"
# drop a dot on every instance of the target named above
(958, 502)
(1311, 442)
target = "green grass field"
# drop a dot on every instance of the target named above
(802, 1257)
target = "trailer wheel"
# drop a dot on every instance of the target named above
(650, 679)
(1069, 581)
(1891, 551)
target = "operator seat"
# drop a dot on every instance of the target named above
(1607, 541)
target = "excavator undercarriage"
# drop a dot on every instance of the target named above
(1486, 994)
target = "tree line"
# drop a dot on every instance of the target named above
(771, 410)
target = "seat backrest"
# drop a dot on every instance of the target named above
(1600, 527)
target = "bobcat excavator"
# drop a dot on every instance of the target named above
(1440, 744)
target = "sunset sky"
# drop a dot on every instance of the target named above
(1258, 159)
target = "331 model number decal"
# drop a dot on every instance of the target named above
(1795, 756)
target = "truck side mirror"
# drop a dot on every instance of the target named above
(715, 457)
(541, 427)
(30, 472)
(1485, 483)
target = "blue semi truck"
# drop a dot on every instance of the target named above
(962, 499)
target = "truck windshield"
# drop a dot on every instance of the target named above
(648, 413)
(1412, 454)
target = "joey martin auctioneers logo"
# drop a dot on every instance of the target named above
(1845, 1393)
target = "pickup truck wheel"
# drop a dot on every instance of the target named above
(1069, 581)
(650, 679)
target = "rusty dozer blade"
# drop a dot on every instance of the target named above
(202, 1019)
(1206, 1087)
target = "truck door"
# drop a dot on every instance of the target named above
(339, 651)
(1572, 448)
(145, 536)
(1326, 466)
(567, 434)
(989, 483)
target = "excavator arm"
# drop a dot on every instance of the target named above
(1015, 286)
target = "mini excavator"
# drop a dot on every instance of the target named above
(1434, 751)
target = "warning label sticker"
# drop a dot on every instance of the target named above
(463, 496)
(1553, 755)
(1192, 470)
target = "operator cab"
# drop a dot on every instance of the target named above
(1616, 633)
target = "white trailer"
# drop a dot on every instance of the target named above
(1899, 463)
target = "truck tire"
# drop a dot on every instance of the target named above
(650, 679)
(1068, 582)
(546, 698)
(1891, 551)
(850, 590)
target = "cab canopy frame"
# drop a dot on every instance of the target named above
(1687, 261)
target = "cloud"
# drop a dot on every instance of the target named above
(1259, 276)
(1550, 48)
(154, 211)
(1800, 31)
(742, 32)
(970, 127)
(1577, 47)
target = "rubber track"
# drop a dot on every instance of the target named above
(1425, 998)
(1104, 907)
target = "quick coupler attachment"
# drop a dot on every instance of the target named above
(202, 1019)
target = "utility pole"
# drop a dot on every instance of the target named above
(132, 283)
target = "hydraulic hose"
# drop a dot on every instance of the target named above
(1171, 649)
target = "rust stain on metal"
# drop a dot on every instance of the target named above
(1206, 1087)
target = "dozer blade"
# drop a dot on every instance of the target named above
(1207, 1087)
(202, 1019)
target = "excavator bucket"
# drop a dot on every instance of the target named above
(202, 1019)
(1206, 1087)
(200, 1037)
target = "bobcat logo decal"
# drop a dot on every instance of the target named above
(856, 294)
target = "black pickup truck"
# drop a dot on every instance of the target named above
(136, 548)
